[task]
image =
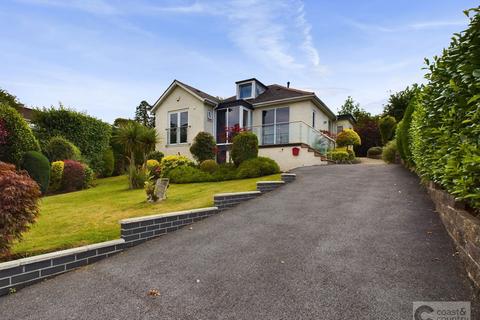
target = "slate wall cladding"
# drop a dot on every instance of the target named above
(22, 272)
(266, 186)
(138, 230)
(288, 177)
(224, 201)
(462, 227)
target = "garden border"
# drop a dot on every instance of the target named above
(23, 272)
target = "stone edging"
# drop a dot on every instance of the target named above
(462, 227)
(19, 273)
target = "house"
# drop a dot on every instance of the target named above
(26, 113)
(288, 122)
(345, 121)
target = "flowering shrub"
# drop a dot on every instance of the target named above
(56, 174)
(170, 162)
(19, 205)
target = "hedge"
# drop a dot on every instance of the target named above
(90, 135)
(17, 137)
(403, 138)
(445, 128)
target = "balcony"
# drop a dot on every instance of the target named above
(297, 132)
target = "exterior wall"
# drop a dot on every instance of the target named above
(345, 123)
(299, 111)
(287, 161)
(181, 100)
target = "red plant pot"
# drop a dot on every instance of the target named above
(295, 151)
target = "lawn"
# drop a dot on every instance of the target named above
(91, 216)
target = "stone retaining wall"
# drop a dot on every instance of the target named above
(137, 230)
(266, 186)
(227, 200)
(462, 227)
(288, 177)
(23, 272)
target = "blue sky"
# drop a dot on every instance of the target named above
(104, 57)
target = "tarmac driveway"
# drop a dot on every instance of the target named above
(341, 242)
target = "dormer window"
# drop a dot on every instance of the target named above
(249, 89)
(245, 90)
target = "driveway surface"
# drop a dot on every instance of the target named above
(341, 242)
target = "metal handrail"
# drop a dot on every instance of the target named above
(298, 121)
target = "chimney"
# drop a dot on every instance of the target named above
(288, 84)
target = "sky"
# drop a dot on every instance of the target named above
(104, 57)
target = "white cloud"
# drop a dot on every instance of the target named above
(423, 25)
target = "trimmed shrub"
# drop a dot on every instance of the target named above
(348, 137)
(188, 174)
(108, 161)
(339, 156)
(89, 177)
(389, 152)
(257, 167)
(90, 135)
(73, 176)
(155, 155)
(59, 148)
(17, 137)
(225, 171)
(387, 127)
(244, 147)
(374, 152)
(38, 167)
(170, 162)
(19, 196)
(209, 166)
(56, 174)
(203, 147)
(402, 133)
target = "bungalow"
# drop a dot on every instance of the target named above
(289, 123)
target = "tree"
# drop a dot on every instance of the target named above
(353, 108)
(367, 129)
(387, 126)
(398, 102)
(144, 116)
(9, 99)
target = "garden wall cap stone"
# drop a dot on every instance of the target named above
(236, 193)
(167, 214)
(271, 182)
(57, 254)
(289, 174)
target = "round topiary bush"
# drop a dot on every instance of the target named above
(73, 176)
(38, 167)
(348, 137)
(19, 205)
(257, 167)
(209, 166)
(16, 136)
(374, 152)
(56, 174)
(244, 147)
(389, 152)
(155, 155)
(108, 163)
(203, 147)
(59, 148)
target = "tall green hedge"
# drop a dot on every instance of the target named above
(90, 135)
(445, 129)
(18, 137)
(403, 137)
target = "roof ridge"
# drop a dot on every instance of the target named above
(291, 89)
(209, 96)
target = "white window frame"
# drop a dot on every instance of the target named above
(275, 121)
(177, 112)
(240, 120)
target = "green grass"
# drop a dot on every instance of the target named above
(91, 216)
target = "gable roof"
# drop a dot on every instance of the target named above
(347, 116)
(199, 94)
